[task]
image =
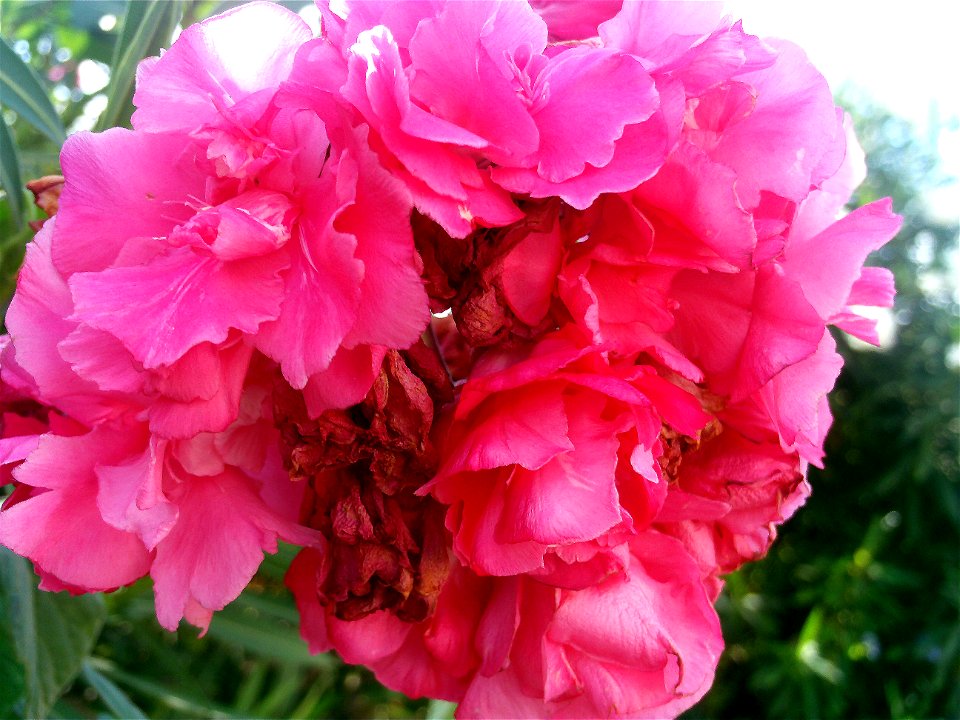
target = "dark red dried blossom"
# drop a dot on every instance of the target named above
(387, 547)
(498, 282)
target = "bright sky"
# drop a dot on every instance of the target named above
(906, 56)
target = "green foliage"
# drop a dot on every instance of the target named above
(48, 635)
(10, 175)
(23, 92)
(855, 613)
(147, 27)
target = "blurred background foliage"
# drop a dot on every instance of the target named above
(855, 613)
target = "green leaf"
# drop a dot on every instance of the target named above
(181, 702)
(52, 633)
(112, 696)
(10, 174)
(242, 628)
(147, 27)
(23, 92)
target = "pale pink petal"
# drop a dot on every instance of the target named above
(56, 526)
(216, 63)
(660, 32)
(780, 145)
(130, 495)
(121, 186)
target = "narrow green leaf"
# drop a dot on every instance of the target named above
(52, 632)
(24, 93)
(147, 27)
(10, 174)
(175, 699)
(113, 697)
(268, 640)
(440, 710)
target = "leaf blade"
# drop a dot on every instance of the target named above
(147, 27)
(52, 632)
(23, 91)
(113, 697)
(10, 174)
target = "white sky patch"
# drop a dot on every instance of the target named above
(107, 22)
(886, 327)
(92, 76)
(311, 16)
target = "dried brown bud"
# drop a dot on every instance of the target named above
(46, 194)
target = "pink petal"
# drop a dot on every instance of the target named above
(347, 381)
(322, 287)
(460, 71)
(829, 264)
(121, 185)
(130, 496)
(216, 63)
(61, 529)
(177, 301)
(573, 497)
(531, 431)
(216, 546)
(589, 95)
(179, 412)
(393, 309)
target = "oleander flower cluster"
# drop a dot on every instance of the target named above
(514, 316)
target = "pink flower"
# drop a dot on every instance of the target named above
(626, 215)
(196, 514)
(543, 131)
(641, 643)
(239, 227)
(550, 459)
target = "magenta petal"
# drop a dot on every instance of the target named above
(590, 96)
(216, 546)
(461, 72)
(322, 287)
(829, 264)
(37, 322)
(217, 374)
(100, 357)
(779, 146)
(393, 309)
(162, 309)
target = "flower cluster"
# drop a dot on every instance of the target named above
(512, 315)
